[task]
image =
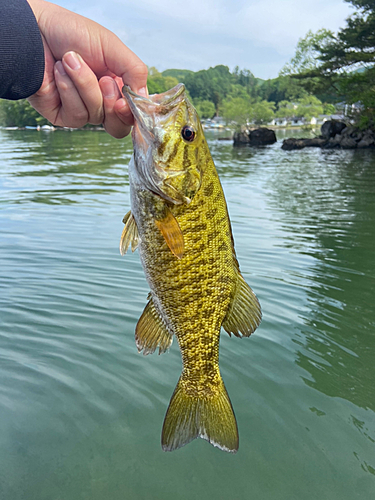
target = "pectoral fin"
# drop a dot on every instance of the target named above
(151, 332)
(129, 234)
(244, 314)
(169, 228)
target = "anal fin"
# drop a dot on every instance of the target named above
(244, 314)
(129, 234)
(151, 332)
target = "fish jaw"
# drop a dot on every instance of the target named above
(165, 161)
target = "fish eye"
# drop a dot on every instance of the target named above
(188, 133)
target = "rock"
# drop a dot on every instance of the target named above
(348, 130)
(240, 138)
(292, 143)
(330, 128)
(348, 142)
(261, 137)
(350, 138)
(357, 135)
(316, 142)
(334, 142)
(367, 141)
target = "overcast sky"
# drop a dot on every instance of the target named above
(260, 35)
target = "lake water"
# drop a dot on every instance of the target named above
(81, 411)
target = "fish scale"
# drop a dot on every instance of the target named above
(179, 221)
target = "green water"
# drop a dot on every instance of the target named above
(81, 411)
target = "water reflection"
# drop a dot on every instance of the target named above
(332, 218)
(81, 412)
(68, 166)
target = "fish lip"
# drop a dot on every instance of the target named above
(159, 102)
(129, 95)
(156, 100)
(162, 99)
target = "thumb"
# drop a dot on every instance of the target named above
(123, 62)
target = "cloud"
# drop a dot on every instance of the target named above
(279, 25)
(257, 34)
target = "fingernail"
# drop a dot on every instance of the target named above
(143, 91)
(72, 60)
(108, 88)
(122, 104)
(60, 68)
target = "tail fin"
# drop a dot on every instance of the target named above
(189, 417)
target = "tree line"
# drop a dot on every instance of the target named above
(327, 71)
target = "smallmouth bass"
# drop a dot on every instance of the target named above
(179, 222)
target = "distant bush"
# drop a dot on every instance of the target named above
(19, 114)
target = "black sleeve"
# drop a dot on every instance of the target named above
(21, 51)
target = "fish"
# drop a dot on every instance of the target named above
(180, 224)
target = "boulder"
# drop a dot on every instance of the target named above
(350, 138)
(348, 130)
(357, 135)
(332, 127)
(292, 143)
(240, 138)
(261, 137)
(334, 142)
(315, 142)
(367, 141)
(348, 142)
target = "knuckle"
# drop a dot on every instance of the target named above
(138, 71)
(75, 120)
(80, 116)
(142, 70)
(96, 120)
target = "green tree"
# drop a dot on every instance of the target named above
(329, 109)
(281, 89)
(205, 109)
(237, 90)
(307, 52)
(237, 110)
(19, 114)
(285, 109)
(157, 83)
(212, 85)
(346, 62)
(245, 79)
(309, 107)
(179, 74)
(262, 112)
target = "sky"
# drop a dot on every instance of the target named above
(259, 35)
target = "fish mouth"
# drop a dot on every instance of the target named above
(146, 109)
(162, 99)
(152, 116)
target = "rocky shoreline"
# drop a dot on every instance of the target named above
(334, 135)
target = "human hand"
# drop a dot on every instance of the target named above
(85, 65)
